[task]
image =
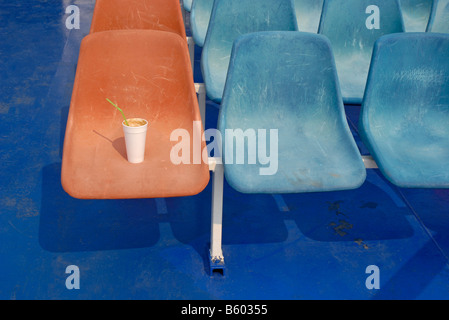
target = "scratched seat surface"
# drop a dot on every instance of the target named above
(147, 74)
(164, 15)
(285, 84)
(199, 20)
(405, 114)
(439, 18)
(230, 19)
(308, 14)
(345, 22)
(416, 14)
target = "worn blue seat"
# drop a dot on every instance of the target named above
(404, 119)
(230, 19)
(346, 23)
(187, 4)
(282, 90)
(308, 13)
(199, 20)
(439, 17)
(416, 14)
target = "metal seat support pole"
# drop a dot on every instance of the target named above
(216, 254)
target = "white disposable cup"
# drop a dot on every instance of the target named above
(135, 141)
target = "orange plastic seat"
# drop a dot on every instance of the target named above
(147, 74)
(164, 15)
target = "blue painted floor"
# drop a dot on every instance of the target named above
(300, 246)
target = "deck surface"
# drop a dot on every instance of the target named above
(296, 246)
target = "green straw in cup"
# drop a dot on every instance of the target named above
(126, 121)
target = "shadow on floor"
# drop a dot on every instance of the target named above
(375, 211)
(68, 224)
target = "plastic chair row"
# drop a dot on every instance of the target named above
(415, 13)
(352, 39)
(215, 24)
(404, 114)
(291, 86)
(146, 70)
(277, 80)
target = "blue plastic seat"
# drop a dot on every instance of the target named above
(187, 4)
(308, 13)
(199, 20)
(439, 17)
(230, 19)
(345, 23)
(416, 14)
(286, 81)
(404, 120)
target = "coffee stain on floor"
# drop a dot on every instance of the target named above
(342, 227)
(361, 243)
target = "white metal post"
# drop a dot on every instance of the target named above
(191, 46)
(369, 162)
(216, 252)
(201, 91)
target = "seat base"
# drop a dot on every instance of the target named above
(216, 265)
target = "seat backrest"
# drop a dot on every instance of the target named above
(416, 14)
(230, 19)
(187, 4)
(199, 20)
(439, 17)
(282, 94)
(163, 15)
(308, 14)
(353, 26)
(146, 73)
(405, 112)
